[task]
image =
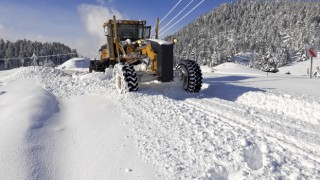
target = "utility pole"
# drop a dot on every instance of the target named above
(157, 28)
(310, 71)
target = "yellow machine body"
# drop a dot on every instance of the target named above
(124, 40)
(128, 41)
(134, 56)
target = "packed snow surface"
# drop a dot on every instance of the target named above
(244, 124)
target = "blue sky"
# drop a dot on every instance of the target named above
(78, 23)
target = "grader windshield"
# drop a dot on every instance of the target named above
(133, 30)
(130, 31)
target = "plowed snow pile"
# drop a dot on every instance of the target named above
(75, 64)
(244, 124)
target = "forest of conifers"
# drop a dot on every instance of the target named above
(17, 54)
(274, 32)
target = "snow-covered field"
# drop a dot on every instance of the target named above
(60, 124)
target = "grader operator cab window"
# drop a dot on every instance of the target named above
(147, 31)
(131, 31)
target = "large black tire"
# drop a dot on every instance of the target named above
(190, 76)
(91, 66)
(125, 77)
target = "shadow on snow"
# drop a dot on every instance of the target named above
(219, 87)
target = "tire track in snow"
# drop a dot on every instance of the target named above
(231, 121)
(182, 144)
(306, 133)
(282, 120)
(298, 150)
(284, 104)
(253, 113)
(197, 137)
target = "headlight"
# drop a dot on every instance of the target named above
(175, 40)
(139, 42)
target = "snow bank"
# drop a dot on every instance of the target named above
(73, 136)
(63, 84)
(233, 68)
(25, 109)
(206, 69)
(300, 68)
(240, 67)
(98, 75)
(75, 63)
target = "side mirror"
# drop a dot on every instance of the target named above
(106, 31)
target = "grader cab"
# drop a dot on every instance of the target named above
(132, 54)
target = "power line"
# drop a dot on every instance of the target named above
(176, 16)
(168, 13)
(39, 56)
(182, 17)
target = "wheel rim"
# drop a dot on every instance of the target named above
(184, 77)
(119, 84)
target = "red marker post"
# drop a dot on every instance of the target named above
(311, 52)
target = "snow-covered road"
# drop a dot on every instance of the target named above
(238, 127)
(203, 137)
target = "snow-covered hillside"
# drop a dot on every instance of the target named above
(59, 124)
(275, 30)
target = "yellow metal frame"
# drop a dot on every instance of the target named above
(152, 55)
(145, 50)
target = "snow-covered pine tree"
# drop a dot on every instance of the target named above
(23, 49)
(281, 28)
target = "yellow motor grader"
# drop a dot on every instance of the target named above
(132, 54)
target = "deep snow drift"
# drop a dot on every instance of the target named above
(53, 137)
(242, 125)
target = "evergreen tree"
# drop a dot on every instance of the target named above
(275, 28)
(24, 49)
